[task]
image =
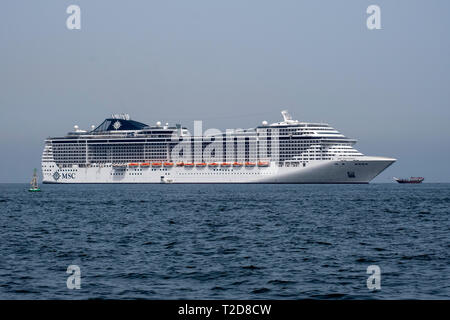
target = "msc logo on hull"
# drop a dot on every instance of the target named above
(58, 176)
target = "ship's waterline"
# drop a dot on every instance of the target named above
(121, 150)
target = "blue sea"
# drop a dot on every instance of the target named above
(170, 241)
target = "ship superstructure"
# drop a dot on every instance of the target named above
(121, 150)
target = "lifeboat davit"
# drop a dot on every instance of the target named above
(156, 164)
(263, 164)
(168, 164)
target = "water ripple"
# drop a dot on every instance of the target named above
(225, 241)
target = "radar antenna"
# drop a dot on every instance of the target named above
(286, 116)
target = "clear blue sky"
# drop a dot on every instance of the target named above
(233, 64)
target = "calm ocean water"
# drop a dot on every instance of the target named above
(225, 241)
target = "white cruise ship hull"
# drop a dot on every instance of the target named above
(359, 171)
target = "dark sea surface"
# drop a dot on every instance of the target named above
(173, 241)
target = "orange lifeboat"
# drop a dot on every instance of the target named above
(263, 164)
(237, 164)
(213, 164)
(250, 164)
(225, 164)
(201, 164)
(133, 164)
(189, 165)
(180, 164)
(168, 164)
(145, 164)
(156, 164)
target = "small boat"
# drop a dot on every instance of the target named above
(237, 164)
(156, 164)
(201, 164)
(145, 164)
(263, 164)
(168, 164)
(410, 180)
(213, 164)
(34, 183)
(225, 164)
(133, 164)
(250, 164)
(180, 164)
(189, 165)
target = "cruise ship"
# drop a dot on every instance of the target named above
(121, 150)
